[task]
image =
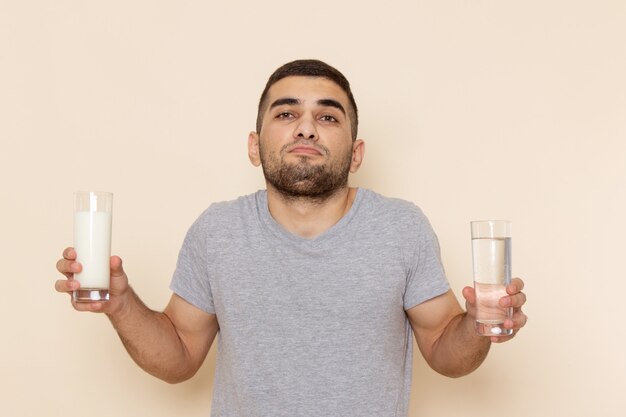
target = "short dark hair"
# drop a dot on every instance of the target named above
(310, 68)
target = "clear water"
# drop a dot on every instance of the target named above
(492, 273)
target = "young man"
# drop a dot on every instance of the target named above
(314, 287)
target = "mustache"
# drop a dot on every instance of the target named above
(320, 148)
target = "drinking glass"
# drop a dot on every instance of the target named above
(92, 243)
(491, 255)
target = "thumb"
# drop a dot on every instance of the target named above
(470, 295)
(119, 280)
(116, 267)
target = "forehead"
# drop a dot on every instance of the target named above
(307, 89)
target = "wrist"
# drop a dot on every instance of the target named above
(468, 323)
(121, 306)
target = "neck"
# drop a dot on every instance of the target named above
(309, 217)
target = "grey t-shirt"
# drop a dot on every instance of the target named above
(311, 327)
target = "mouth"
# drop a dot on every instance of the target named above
(304, 150)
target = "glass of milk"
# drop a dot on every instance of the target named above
(92, 242)
(491, 255)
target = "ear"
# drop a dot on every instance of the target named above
(358, 151)
(253, 149)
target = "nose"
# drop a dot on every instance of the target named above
(305, 130)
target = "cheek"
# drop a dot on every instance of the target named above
(339, 135)
(275, 137)
(276, 130)
(269, 152)
(339, 143)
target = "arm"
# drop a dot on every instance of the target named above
(445, 333)
(170, 345)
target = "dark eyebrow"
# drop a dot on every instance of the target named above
(325, 102)
(329, 102)
(286, 101)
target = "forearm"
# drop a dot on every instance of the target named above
(152, 340)
(459, 351)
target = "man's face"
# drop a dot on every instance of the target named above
(305, 145)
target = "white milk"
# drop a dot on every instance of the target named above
(92, 242)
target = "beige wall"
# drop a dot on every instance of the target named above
(471, 109)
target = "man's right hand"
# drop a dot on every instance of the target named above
(118, 287)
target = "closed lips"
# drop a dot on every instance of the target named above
(306, 150)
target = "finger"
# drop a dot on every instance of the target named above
(518, 321)
(95, 307)
(63, 266)
(515, 323)
(65, 285)
(508, 324)
(516, 301)
(68, 268)
(516, 285)
(69, 253)
(501, 339)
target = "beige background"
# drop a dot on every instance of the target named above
(471, 109)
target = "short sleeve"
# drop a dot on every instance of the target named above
(191, 277)
(426, 277)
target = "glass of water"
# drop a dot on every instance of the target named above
(491, 255)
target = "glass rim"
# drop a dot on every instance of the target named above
(103, 193)
(491, 229)
(490, 221)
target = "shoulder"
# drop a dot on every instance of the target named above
(395, 219)
(246, 203)
(390, 209)
(227, 214)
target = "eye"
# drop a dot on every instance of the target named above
(328, 118)
(284, 115)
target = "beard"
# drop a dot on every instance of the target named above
(304, 179)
